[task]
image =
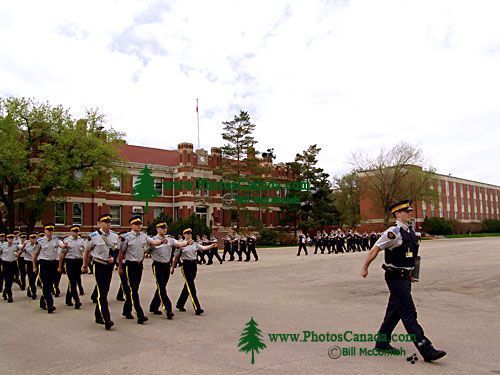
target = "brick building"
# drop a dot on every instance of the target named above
(169, 168)
(468, 202)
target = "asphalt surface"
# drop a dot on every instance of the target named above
(457, 299)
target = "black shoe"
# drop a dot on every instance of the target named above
(180, 308)
(78, 305)
(120, 299)
(170, 315)
(108, 325)
(43, 307)
(209, 263)
(199, 312)
(69, 304)
(23, 288)
(33, 296)
(51, 309)
(384, 346)
(156, 312)
(434, 355)
(94, 300)
(10, 300)
(57, 294)
(248, 260)
(99, 320)
(28, 293)
(82, 292)
(142, 319)
(128, 316)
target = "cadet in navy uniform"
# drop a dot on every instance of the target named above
(100, 245)
(27, 249)
(400, 246)
(214, 252)
(251, 240)
(8, 253)
(302, 243)
(133, 248)
(243, 247)
(227, 247)
(71, 257)
(189, 267)
(161, 256)
(45, 254)
(234, 247)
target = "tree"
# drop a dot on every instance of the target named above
(318, 208)
(144, 187)
(394, 175)
(346, 197)
(250, 339)
(239, 154)
(44, 153)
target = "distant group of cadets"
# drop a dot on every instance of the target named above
(48, 256)
(338, 241)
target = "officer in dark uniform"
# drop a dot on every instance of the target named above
(373, 239)
(133, 248)
(302, 243)
(227, 247)
(101, 245)
(234, 247)
(8, 253)
(45, 261)
(189, 268)
(251, 240)
(401, 248)
(243, 247)
(71, 259)
(214, 252)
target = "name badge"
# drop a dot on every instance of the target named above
(409, 254)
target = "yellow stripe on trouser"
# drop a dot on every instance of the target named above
(129, 287)
(40, 277)
(189, 290)
(98, 295)
(158, 288)
(69, 281)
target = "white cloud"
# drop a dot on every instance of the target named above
(348, 76)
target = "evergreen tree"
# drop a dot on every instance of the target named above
(250, 339)
(144, 188)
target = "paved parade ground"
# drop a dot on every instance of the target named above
(457, 299)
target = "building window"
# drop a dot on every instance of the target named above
(159, 185)
(78, 213)
(201, 212)
(116, 184)
(116, 213)
(424, 213)
(441, 213)
(157, 211)
(60, 215)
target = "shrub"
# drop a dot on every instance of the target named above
(438, 225)
(491, 226)
(268, 237)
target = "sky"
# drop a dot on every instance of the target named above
(349, 76)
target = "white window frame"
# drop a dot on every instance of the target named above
(81, 210)
(113, 187)
(64, 214)
(115, 221)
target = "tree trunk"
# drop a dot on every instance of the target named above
(253, 360)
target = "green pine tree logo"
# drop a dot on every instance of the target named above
(144, 187)
(250, 339)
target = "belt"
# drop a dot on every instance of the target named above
(397, 271)
(100, 261)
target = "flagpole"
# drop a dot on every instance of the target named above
(198, 120)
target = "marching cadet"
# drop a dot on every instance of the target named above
(214, 252)
(227, 247)
(21, 262)
(71, 258)
(27, 249)
(200, 256)
(101, 246)
(2, 241)
(189, 267)
(302, 244)
(8, 253)
(243, 247)
(234, 247)
(340, 241)
(365, 241)
(318, 242)
(124, 289)
(401, 249)
(251, 240)
(132, 250)
(161, 255)
(373, 239)
(45, 263)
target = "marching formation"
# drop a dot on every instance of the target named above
(43, 258)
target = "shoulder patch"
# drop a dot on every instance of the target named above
(391, 235)
(39, 240)
(93, 234)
